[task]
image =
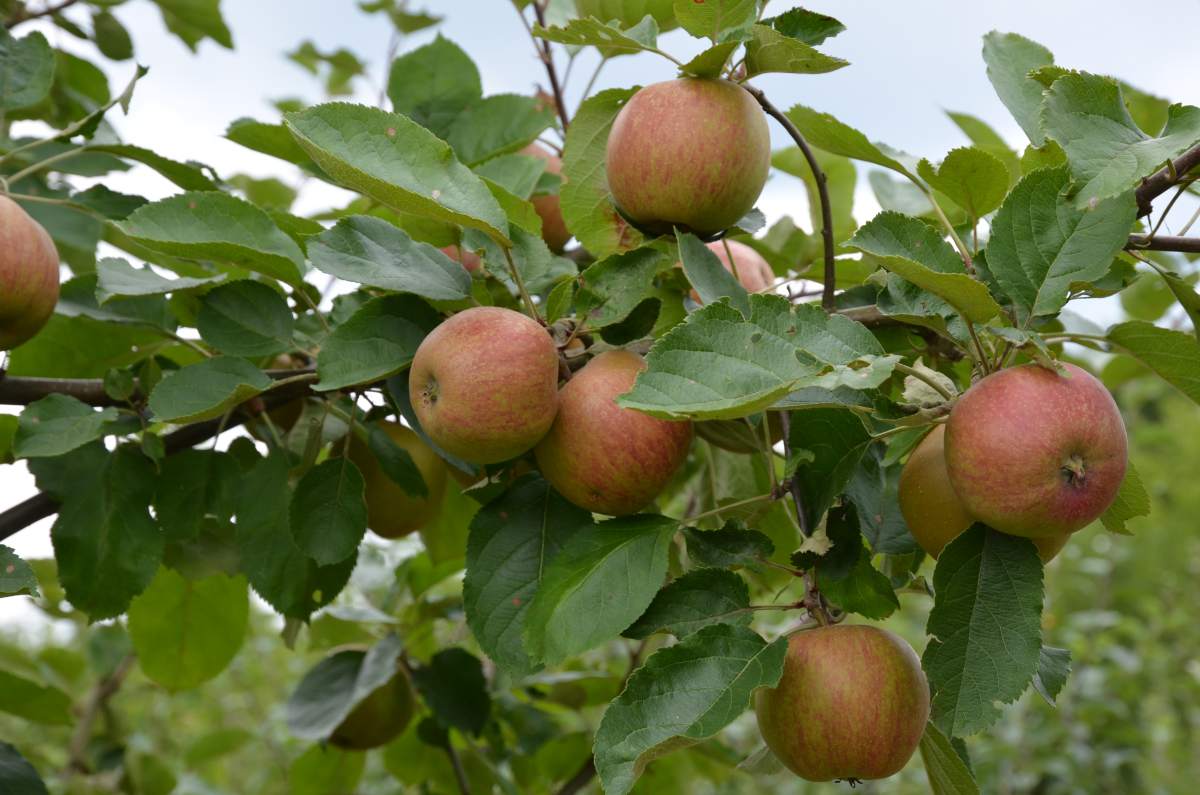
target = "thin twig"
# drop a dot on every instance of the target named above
(460, 775)
(48, 11)
(97, 701)
(1189, 245)
(827, 292)
(516, 275)
(1162, 180)
(724, 508)
(547, 57)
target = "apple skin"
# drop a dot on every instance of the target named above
(379, 718)
(554, 228)
(689, 153)
(931, 508)
(28, 275)
(630, 12)
(391, 511)
(852, 704)
(1033, 453)
(753, 272)
(484, 384)
(605, 458)
(465, 257)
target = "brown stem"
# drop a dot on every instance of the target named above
(96, 703)
(48, 11)
(460, 775)
(547, 58)
(785, 422)
(1162, 180)
(1190, 245)
(21, 391)
(822, 191)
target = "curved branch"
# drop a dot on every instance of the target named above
(48, 11)
(547, 58)
(21, 390)
(822, 191)
(1165, 178)
(1189, 245)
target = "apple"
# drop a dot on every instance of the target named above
(691, 153)
(629, 12)
(464, 256)
(484, 384)
(931, 508)
(605, 458)
(554, 229)
(28, 275)
(391, 511)
(1035, 453)
(753, 272)
(379, 718)
(852, 704)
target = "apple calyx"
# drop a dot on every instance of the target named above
(1074, 471)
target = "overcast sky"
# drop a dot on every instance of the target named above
(910, 61)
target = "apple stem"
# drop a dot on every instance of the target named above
(516, 275)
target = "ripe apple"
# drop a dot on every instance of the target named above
(484, 384)
(691, 153)
(932, 509)
(629, 12)
(391, 511)
(753, 272)
(379, 718)
(28, 275)
(1034, 453)
(605, 458)
(464, 256)
(852, 704)
(554, 229)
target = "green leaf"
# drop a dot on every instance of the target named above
(220, 227)
(806, 26)
(290, 581)
(708, 276)
(269, 139)
(189, 176)
(378, 340)
(586, 203)
(597, 585)
(33, 702)
(206, 390)
(432, 84)
(81, 347)
(517, 173)
(397, 162)
(455, 690)
(715, 19)
(1108, 152)
(919, 254)
(512, 539)
(1131, 501)
(395, 461)
(841, 180)
(188, 631)
(1054, 666)
(612, 287)
(694, 601)
(771, 51)
(111, 37)
(329, 511)
(718, 365)
(370, 251)
(324, 768)
(246, 318)
(711, 62)
(335, 686)
(864, 590)
(1173, 355)
(1185, 293)
(1041, 243)
(106, 543)
(682, 695)
(497, 125)
(948, 773)
(117, 278)
(837, 440)
(26, 70)
(17, 776)
(986, 628)
(825, 132)
(610, 40)
(195, 487)
(539, 267)
(1010, 58)
(58, 424)
(16, 576)
(984, 137)
(976, 180)
(195, 20)
(729, 546)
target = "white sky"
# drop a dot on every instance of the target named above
(909, 62)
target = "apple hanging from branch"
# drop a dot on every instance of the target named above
(28, 275)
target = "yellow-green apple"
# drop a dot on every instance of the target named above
(629, 12)
(753, 272)
(391, 511)
(554, 229)
(28, 275)
(691, 153)
(379, 718)
(1036, 453)
(931, 508)
(484, 384)
(852, 704)
(603, 457)
(464, 256)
